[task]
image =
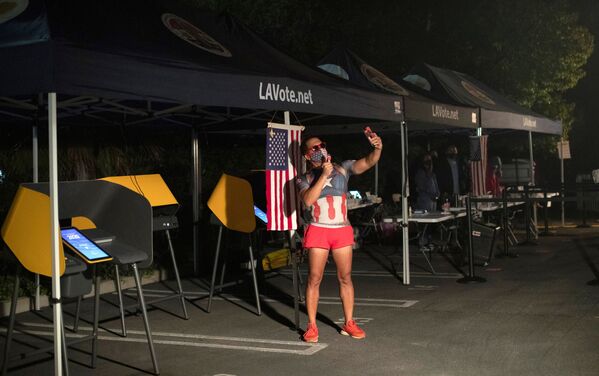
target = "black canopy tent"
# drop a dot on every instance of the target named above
(128, 62)
(163, 52)
(420, 113)
(497, 111)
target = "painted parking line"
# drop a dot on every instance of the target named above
(194, 340)
(371, 273)
(368, 302)
(423, 287)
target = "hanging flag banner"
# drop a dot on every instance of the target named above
(283, 158)
(478, 164)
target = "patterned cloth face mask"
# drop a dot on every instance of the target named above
(318, 155)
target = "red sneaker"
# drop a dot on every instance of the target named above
(351, 329)
(311, 333)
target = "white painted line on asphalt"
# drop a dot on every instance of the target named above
(309, 351)
(372, 273)
(358, 320)
(423, 287)
(395, 303)
(308, 348)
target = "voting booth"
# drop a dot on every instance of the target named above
(164, 219)
(232, 206)
(115, 219)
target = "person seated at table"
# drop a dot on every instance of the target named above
(427, 190)
(493, 181)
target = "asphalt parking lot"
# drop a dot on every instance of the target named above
(537, 314)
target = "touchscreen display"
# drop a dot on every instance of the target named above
(83, 245)
(355, 195)
(260, 214)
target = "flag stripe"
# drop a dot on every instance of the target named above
(282, 158)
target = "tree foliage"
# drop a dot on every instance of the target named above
(532, 51)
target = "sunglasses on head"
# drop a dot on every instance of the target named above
(317, 147)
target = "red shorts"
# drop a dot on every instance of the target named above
(328, 238)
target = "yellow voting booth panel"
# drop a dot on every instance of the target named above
(151, 186)
(232, 203)
(26, 231)
(82, 223)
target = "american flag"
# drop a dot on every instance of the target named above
(478, 168)
(283, 157)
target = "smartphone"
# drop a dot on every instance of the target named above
(368, 132)
(89, 251)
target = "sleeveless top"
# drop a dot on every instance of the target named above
(330, 209)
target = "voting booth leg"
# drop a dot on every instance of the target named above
(96, 317)
(177, 277)
(11, 322)
(142, 302)
(300, 284)
(77, 314)
(254, 279)
(214, 268)
(221, 282)
(296, 289)
(297, 296)
(117, 281)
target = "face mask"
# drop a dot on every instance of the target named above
(318, 155)
(452, 155)
(428, 164)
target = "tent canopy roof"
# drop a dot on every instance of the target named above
(497, 111)
(421, 112)
(163, 51)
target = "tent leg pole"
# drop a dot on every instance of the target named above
(404, 204)
(35, 160)
(532, 180)
(196, 199)
(54, 237)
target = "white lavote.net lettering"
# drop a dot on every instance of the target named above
(274, 92)
(445, 113)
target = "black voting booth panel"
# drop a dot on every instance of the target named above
(115, 210)
(164, 218)
(124, 227)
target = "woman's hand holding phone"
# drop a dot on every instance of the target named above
(372, 137)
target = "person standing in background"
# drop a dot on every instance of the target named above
(493, 180)
(426, 185)
(427, 190)
(451, 174)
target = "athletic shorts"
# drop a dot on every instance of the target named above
(328, 238)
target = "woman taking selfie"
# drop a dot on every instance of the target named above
(323, 191)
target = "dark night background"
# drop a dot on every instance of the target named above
(539, 53)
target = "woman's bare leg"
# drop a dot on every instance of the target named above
(343, 260)
(317, 259)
